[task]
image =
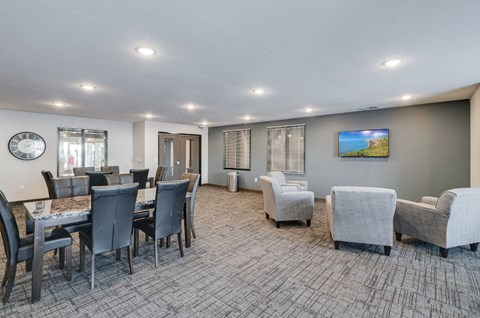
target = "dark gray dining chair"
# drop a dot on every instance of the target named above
(113, 169)
(65, 187)
(194, 180)
(167, 216)
(115, 179)
(112, 218)
(140, 176)
(97, 178)
(160, 173)
(82, 171)
(47, 176)
(19, 249)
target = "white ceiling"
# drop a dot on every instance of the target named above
(323, 54)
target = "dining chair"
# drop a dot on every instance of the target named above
(194, 180)
(115, 179)
(140, 176)
(82, 171)
(47, 176)
(97, 178)
(112, 218)
(113, 169)
(160, 173)
(167, 216)
(19, 249)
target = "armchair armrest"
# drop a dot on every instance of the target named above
(429, 200)
(290, 187)
(300, 183)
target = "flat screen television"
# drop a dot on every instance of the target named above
(371, 143)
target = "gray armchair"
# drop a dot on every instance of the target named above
(361, 215)
(280, 177)
(286, 206)
(449, 221)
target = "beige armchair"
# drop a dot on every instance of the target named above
(280, 177)
(451, 220)
(286, 206)
(361, 215)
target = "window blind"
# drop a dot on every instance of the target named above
(286, 149)
(236, 149)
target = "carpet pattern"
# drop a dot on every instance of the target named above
(241, 265)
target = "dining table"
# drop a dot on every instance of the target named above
(64, 211)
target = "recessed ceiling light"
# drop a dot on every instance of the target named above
(258, 91)
(392, 63)
(204, 123)
(58, 104)
(149, 116)
(308, 109)
(247, 117)
(406, 97)
(190, 106)
(87, 87)
(147, 51)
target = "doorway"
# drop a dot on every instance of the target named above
(179, 153)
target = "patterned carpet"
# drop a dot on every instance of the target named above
(240, 265)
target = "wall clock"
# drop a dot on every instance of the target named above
(27, 145)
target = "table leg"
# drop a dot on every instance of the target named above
(38, 249)
(188, 232)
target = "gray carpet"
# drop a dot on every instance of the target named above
(240, 265)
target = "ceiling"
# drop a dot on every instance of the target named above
(326, 55)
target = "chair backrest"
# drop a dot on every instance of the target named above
(113, 169)
(123, 178)
(112, 216)
(459, 200)
(169, 202)
(160, 173)
(279, 176)
(69, 186)
(81, 171)
(47, 176)
(9, 230)
(97, 178)
(193, 181)
(140, 176)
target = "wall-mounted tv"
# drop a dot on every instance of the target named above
(364, 143)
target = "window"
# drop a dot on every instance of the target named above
(81, 148)
(286, 149)
(236, 149)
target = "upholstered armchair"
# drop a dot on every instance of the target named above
(280, 177)
(361, 215)
(451, 220)
(286, 206)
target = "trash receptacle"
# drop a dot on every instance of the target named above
(232, 181)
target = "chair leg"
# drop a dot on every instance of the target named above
(5, 277)
(337, 245)
(473, 247)
(82, 255)
(267, 216)
(61, 258)
(135, 242)
(68, 251)
(92, 281)
(161, 242)
(398, 236)
(146, 237)
(309, 222)
(192, 228)
(168, 242)
(387, 249)
(444, 252)
(28, 265)
(155, 251)
(118, 254)
(129, 253)
(10, 281)
(278, 224)
(180, 246)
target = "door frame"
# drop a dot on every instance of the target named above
(183, 134)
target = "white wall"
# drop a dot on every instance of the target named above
(475, 139)
(15, 172)
(152, 129)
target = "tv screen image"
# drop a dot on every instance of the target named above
(364, 143)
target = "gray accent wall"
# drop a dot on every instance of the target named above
(429, 151)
